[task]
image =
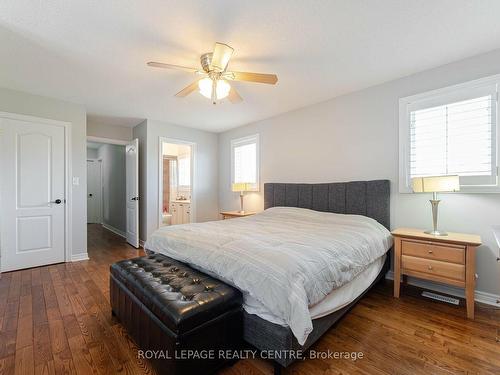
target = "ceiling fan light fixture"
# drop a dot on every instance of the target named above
(222, 89)
(213, 81)
(205, 86)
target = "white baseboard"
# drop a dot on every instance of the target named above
(79, 257)
(482, 297)
(115, 230)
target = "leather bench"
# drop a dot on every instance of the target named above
(180, 318)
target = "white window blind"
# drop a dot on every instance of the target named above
(451, 131)
(245, 160)
(455, 138)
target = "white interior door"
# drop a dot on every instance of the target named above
(94, 191)
(32, 193)
(132, 192)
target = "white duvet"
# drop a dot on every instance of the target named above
(286, 258)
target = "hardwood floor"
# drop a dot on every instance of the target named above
(57, 319)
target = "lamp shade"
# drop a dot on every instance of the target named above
(221, 91)
(436, 184)
(241, 186)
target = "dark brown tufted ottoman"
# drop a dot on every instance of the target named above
(181, 319)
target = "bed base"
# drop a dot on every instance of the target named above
(265, 336)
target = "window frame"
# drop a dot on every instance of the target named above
(447, 95)
(254, 138)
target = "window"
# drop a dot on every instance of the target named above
(245, 161)
(184, 168)
(451, 131)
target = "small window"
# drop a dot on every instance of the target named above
(245, 161)
(452, 131)
(184, 171)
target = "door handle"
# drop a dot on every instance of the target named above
(135, 199)
(57, 201)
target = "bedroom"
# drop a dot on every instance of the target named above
(352, 81)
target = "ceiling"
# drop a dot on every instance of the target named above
(94, 52)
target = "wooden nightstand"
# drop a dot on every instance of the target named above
(446, 259)
(233, 214)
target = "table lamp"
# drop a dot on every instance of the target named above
(435, 185)
(241, 187)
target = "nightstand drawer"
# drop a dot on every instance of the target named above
(434, 251)
(433, 267)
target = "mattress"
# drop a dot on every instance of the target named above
(336, 300)
(286, 258)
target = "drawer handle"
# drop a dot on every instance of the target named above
(430, 268)
(430, 251)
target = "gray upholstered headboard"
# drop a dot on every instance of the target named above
(368, 198)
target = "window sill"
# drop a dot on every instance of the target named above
(463, 190)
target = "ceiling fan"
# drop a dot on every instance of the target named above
(213, 81)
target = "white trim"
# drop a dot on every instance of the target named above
(460, 86)
(254, 138)
(80, 257)
(109, 141)
(433, 96)
(69, 197)
(193, 145)
(479, 296)
(68, 174)
(115, 230)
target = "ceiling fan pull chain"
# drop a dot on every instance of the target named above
(214, 92)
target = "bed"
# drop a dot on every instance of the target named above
(294, 261)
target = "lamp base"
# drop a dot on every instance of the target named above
(436, 233)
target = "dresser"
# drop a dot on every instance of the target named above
(446, 259)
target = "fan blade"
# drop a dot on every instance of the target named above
(171, 66)
(270, 79)
(220, 57)
(233, 96)
(188, 89)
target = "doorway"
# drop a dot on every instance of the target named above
(176, 187)
(112, 187)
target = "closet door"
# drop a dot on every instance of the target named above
(132, 191)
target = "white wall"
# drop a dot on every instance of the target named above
(91, 153)
(122, 133)
(355, 137)
(38, 106)
(113, 185)
(205, 197)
